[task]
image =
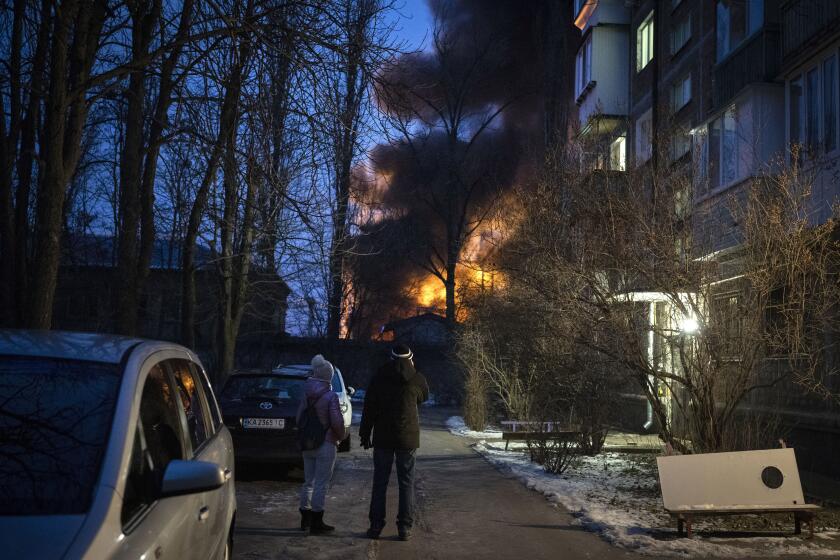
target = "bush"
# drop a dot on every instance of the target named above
(555, 455)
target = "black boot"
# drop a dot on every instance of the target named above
(405, 533)
(305, 519)
(318, 526)
(374, 532)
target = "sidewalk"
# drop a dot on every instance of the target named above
(468, 509)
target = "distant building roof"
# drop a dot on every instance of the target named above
(425, 329)
(411, 321)
(101, 250)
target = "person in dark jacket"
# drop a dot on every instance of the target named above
(390, 412)
(318, 463)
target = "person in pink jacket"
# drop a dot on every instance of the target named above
(318, 463)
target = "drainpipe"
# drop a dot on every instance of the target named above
(651, 319)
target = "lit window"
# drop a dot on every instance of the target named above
(644, 137)
(681, 34)
(737, 20)
(681, 93)
(644, 42)
(618, 154)
(583, 66)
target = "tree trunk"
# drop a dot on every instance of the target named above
(26, 157)
(143, 18)
(66, 113)
(8, 154)
(227, 121)
(159, 124)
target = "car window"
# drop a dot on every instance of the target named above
(55, 420)
(336, 382)
(141, 483)
(277, 387)
(192, 402)
(164, 438)
(209, 396)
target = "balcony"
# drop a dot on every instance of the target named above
(806, 23)
(755, 60)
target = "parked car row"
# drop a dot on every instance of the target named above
(116, 447)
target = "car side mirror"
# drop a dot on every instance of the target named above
(190, 477)
(351, 391)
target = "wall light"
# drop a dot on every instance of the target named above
(689, 325)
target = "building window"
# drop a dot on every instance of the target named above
(618, 154)
(830, 104)
(644, 43)
(717, 152)
(680, 145)
(737, 20)
(583, 67)
(812, 109)
(644, 137)
(729, 148)
(681, 93)
(681, 34)
(796, 111)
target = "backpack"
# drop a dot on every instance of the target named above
(311, 433)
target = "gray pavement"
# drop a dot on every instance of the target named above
(466, 509)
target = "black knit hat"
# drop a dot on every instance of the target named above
(401, 351)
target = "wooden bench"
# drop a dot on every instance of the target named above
(735, 483)
(518, 430)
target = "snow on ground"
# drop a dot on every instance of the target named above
(617, 496)
(456, 426)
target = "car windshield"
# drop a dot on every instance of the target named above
(336, 382)
(55, 418)
(276, 387)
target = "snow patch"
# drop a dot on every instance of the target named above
(617, 496)
(456, 426)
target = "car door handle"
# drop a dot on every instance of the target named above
(227, 472)
(204, 513)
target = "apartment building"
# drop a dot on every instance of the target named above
(722, 88)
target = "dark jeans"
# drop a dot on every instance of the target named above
(382, 461)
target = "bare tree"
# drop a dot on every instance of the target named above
(616, 267)
(360, 50)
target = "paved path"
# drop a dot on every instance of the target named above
(467, 509)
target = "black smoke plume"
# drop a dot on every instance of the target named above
(509, 55)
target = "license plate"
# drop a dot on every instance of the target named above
(264, 423)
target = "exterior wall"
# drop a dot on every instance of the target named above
(592, 13)
(610, 68)
(794, 36)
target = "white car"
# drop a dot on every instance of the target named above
(344, 393)
(118, 447)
